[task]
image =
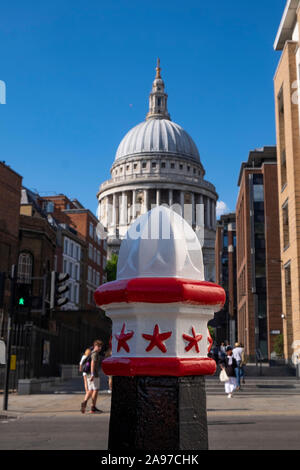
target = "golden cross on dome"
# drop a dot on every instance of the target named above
(158, 69)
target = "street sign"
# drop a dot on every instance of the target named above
(2, 352)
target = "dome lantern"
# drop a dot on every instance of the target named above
(158, 98)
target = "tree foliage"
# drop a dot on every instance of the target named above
(111, 268)
(212, 332)
(278, 345)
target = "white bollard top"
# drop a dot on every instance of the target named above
(160, 243)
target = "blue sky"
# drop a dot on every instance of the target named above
(78, 75)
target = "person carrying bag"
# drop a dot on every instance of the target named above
(228, 366)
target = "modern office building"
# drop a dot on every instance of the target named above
(258, 254)
(225, 321)
(287, 110)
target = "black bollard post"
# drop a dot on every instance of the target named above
(160, 306)
(164, 413)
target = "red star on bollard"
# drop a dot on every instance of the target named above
(157, 339)
(193, 340)
(209, 340)
(123, 338)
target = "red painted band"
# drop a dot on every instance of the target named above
(170, 366)
(160, 290)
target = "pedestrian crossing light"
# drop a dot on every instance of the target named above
(58, 288)
(21, 301)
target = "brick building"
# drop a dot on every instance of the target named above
(10, 195)
(79, 220)
(37, 244)
(225, 321)
(287, 110)
(258, 254)
(10, 191)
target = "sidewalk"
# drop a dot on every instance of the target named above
(65, 398)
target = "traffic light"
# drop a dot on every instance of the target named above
(2, 288)
(23, 297)
(57, 289)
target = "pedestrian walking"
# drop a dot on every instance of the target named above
(108, 354)
(215, 353)
(243, 363)
(222, 351)
(223, 348)
(229, 365)
(93, 379)
(238, 356)
(83, 360)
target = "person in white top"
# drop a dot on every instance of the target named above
(85, 355)
(238, 354)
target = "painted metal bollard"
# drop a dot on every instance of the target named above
(160, 306)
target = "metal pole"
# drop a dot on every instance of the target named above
(9, 327)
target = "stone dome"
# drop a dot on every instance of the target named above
(158, 136)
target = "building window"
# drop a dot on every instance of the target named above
(153, 164)
(65, 266)
(258, 188)
(25, 268)
(163, 164)
(135, 166)
(225, 240)
(194, 171)
(283, 167)
(71, 249)
(90, 251)
(173, 165)
(288, 291)
(71, 292)
(91, 230)
(76, 272)
(48, 207)
(71, 269)
(76, 293)
(188, 168)
(66, 246)
(285, 220)
(144, 164)
(281, 122)
(180, 166)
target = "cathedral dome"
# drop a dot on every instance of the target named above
(158, 136)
